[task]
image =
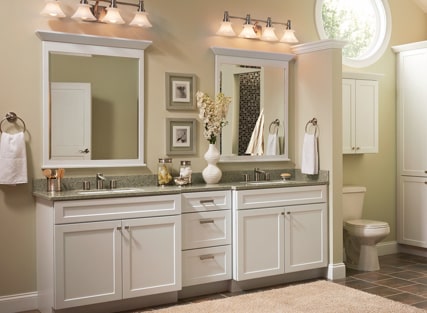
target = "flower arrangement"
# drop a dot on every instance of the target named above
(213, 114)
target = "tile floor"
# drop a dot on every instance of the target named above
(402, 277)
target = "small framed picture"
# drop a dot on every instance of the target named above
(180, 136)
(180, 91)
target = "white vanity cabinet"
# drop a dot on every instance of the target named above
(206, 237)
(279, 230)
(360, 113)
(99, 250)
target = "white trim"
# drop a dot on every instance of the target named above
(18, 302)
(336, 271)
(365, 76)
(410, 46)
(318, 45)
(93, 40)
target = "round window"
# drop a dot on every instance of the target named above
(364, 24)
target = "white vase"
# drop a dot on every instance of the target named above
(212, 174)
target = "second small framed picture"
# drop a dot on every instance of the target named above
(180, 91)
(181, 136)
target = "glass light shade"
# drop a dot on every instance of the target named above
(269, 35)
(52, 8)
(140, 20)
(248, 31)
(289, 36)
(84, 13)
(226, 30)
(113, 17)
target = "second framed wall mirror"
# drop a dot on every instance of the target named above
(258, 84)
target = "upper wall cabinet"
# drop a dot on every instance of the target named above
(360, 113)
(93, 100)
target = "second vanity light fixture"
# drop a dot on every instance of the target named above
(92, 11)
(255, 31)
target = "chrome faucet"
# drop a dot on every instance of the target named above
(100, 178)
(257, 173)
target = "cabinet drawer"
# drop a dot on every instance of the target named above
(273, 197)
(206, 265)
(206, 201)
(204, 229)
(116, 208)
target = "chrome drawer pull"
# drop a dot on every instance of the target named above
(207, 221)
(206, 257)
(202, 202)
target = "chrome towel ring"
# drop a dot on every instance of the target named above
(11, 117)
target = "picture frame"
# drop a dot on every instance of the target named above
(180, 91)
(181, 135)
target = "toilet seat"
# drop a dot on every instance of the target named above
(366, 224)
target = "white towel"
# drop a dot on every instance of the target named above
(272, 145)
(310, 157)
(13, 159)
(256, 144)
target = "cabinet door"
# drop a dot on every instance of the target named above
(412, 110)
(360, 116)
(412, 213)
(366, 114)
(151, 255)
(348, 113)
(87, 263)
(259, 247)
(305, 237)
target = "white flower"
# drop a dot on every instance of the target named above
(213, 114)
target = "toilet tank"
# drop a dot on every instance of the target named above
(352, 199)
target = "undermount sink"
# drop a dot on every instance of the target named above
(266, 182)
(108, 191)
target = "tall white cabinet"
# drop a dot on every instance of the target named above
(411, 148)
(360, 113)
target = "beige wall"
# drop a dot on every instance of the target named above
(182, 34)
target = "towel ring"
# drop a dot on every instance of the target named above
(11, 117)
(313, 122)
(276, 123)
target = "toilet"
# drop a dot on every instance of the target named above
(360, 236)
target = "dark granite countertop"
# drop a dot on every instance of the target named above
(133, 186)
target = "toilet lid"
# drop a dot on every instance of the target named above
(366, 224)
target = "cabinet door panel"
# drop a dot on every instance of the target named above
(412, 127)
(366, 129)
(151, 255)
(88, 263)
(412, 213)
(348, 101)
(259, 248)
(305, 237)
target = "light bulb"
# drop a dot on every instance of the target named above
(84, 13)
(113, 16)
(140, 20)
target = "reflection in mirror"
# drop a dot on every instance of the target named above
(92, 101)
(257, 83)
(94, 107)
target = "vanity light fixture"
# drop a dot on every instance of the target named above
(255, 30)
(91, 10)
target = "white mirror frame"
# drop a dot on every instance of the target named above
(256, 58)
(89, 44)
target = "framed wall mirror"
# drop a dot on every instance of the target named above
(93, 101)
(257, 83)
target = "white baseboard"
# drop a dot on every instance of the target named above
(336, 271)
(387, 247)
(18, 302)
